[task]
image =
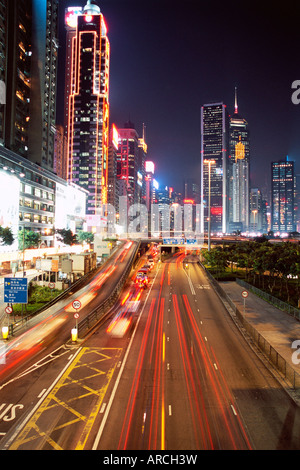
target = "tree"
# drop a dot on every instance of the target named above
(66, 236)
(28, 239)
(6, 236)
(85, 237)
(217, 258)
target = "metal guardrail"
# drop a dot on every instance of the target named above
(269, 351)
(98, 313)
(295, 312)
(17, 326)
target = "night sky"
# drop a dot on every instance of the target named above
(168, 58)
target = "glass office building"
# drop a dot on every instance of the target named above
(214, 167)
(283, 196)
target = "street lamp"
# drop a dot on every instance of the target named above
(209, 162)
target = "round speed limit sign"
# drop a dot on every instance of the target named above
(76, 304)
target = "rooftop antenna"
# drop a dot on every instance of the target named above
(235, 101)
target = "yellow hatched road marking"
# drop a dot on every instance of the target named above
(33, 431)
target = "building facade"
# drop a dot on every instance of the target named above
(38, 200)
(283, 196)
(88, 124)
(131, 154)
(239, 172)
(214, 167)
(28, 48)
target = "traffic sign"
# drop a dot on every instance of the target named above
(51, 285)
(76, 315)
(245, 294)
(76, 304)
(16, 290)
(8, 309)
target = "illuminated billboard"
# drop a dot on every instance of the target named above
(149, 166)
(115, 137)
(70, 203)
(71, 15)
(9, 207)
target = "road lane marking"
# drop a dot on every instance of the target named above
(233, 409)
(21, 426)
(102, 408)
(114, 391)
(71, 406)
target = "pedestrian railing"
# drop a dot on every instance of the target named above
(286, 369)
(295, 312)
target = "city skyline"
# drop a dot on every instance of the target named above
(187, 68)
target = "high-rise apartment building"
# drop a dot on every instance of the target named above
(238, 171)
(43, 82)
(28, 49)
(283, 193)
(214, 167)
(88, 123)
(16, 52)
(3, 54)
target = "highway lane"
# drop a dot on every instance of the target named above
(181, 377)
(191, 381)
(52, 328)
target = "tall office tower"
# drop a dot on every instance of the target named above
(141, 174)
(71, 14)
(149, 187)
(256, 210)
(297, 206)
(239, 171)
(29, 59)
(128, 163)
(16, 51)
(43, 82)
(3, 54)
(214, 167)
(192, 190)
(283, 193)
(88, 125)
(112, 180)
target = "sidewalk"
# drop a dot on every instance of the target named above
(278, 328)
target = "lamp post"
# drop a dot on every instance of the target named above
(209, 162)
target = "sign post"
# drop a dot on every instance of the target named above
(76, 304)
(245, 295)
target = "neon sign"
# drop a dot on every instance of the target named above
(71, 15)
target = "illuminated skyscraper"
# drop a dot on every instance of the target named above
(28, 51)
(131, 164)
(283, 193)
(214, 167)
(88, 125)
(239, 173)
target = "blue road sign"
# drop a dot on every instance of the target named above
(173, 241)
(16, 290)
(191, 241)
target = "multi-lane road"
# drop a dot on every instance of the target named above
(179, 376)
